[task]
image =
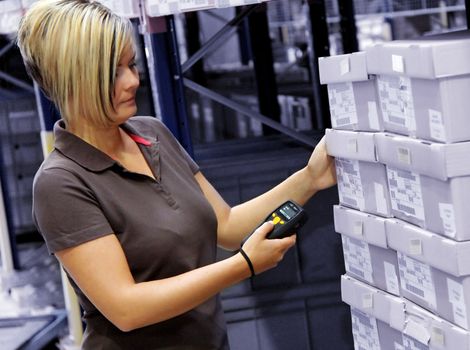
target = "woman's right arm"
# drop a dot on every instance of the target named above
(100, 269)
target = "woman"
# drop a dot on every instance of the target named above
(122, 206)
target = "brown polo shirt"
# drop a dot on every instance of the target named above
(166, 227)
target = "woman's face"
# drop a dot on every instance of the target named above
(125, 87)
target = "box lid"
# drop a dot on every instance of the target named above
(432, 249)
(359, 225)
(441, 161)
(372, 301)
(432, 330)
(355, 145)
(429, 57)
(343, 68)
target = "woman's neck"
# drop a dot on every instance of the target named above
(110, 140)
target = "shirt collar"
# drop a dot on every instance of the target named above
(86, 155)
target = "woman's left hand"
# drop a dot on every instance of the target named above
(321, 167)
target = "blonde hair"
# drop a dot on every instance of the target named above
(72, 48)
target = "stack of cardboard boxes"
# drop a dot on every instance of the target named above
(401, 138)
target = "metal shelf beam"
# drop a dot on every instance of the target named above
(211, 45)
(249, 112)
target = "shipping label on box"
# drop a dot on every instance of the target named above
(391, 278)
(447, 215)
(396, 102)
(410, 343)
(357, 258)
(342, 104)
(350, 183)
(365, 331)
(416, 278)
(457, 299)
(405, 193)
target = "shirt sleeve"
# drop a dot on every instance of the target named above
(191, 162)
(65, 211)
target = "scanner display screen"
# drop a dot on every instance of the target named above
(288, 212)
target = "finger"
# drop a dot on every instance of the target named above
(294, 239)
(265, 228)
(287, 242)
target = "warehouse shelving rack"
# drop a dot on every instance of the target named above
(168, 72)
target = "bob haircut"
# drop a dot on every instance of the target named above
(72, 48)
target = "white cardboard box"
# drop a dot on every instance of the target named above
(351, 91)
(434, 270)
(362, 181)
(422, 86)
(429, 183)
(367, 255)
(425, 331)
(377, 317)
(387, 322)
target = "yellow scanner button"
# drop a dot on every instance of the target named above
(276, 220)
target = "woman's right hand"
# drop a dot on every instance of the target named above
(266, 253)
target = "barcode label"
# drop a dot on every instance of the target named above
(357, 258)
(396, 102)
(365, 331)
(342, 104)
(416, 278)
(351, 192)
(405, 193)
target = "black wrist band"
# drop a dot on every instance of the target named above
(248, 261)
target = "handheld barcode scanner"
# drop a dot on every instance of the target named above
(287, 219)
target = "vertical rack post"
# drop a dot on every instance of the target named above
(467, 11)
(194, 44)
(244, 40)
(319, 46)
(169, 81)
(7, 238)
(348, 26)
(263, 62)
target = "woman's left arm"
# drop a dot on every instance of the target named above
(235, 223)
